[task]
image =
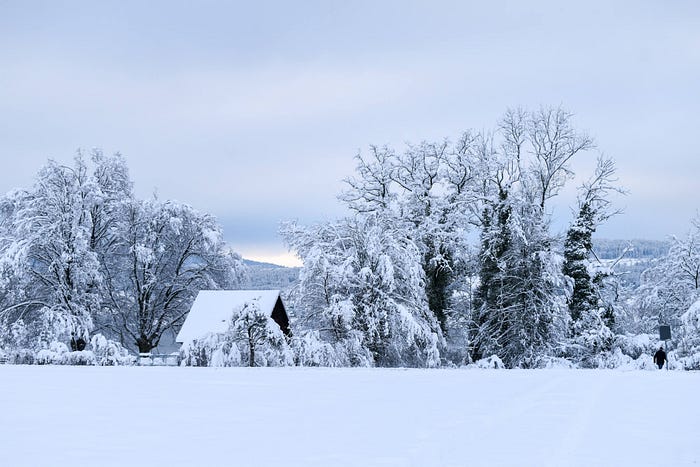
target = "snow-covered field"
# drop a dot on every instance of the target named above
(135, 416)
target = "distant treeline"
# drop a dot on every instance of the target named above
(612, 249)
(270, 276)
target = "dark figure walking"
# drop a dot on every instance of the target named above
(660, 357)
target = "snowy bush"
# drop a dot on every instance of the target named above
(689, 362)
(20, 357)
(352, 351)
(109, 353)
(489, 363)
(310, 350)
(53, 355)
(591, 338)
(15, 336)
(552, 363)
(79, 357)
(213, 349)
(41, 352)
(616, 359)
(689, 345)
(636, 346)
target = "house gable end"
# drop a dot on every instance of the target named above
(279, 315)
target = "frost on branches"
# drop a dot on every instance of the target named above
(399, 282)
(592, 316)
(670, 293)
(80, 255)
(362, 291)
(169, 252)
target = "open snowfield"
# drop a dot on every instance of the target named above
(139, 416)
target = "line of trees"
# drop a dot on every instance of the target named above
(449, 257)
(399, 283)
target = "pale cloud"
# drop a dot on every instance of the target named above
(269, 95)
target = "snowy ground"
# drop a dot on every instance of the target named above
(66, 416)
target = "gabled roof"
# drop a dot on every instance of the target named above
(212, 310)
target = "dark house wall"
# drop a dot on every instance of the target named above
(279, 314)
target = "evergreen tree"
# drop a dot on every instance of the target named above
(591, 317)
(520, 297)
(490, 298)
(577, 251)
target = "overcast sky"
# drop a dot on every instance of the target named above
(253, 111)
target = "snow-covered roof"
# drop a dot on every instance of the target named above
(212, 310)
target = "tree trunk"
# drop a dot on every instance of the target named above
(251, 346)
(144, 344)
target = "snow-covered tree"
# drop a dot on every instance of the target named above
(48, 253)
(362, 289)
(171, 252)
(689, 341)
(427, 191)
(523, 303)
(261, 341)
(520, 311)
(430, 196)
(672, 285)
(592, 318)
(79, 253)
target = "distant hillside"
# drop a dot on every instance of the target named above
(270, 276)
(632, 249)
(635, 256)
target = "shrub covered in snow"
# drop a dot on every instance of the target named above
(554, 363)
(54, 355)
(636, 346)
(492, 363)
(109, 353)
(20, 357)
(689, 362)
(79, 357)
(22, 350)
(213, 349)
(689, 345)
(310, 350)
(616, 359)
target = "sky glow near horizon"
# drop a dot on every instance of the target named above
(254, 112)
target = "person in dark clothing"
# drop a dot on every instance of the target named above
(660, 357)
